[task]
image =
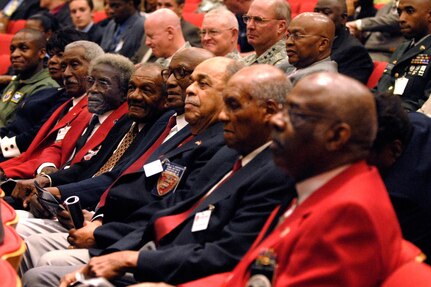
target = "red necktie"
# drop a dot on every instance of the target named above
(164, 225)
(140, 161)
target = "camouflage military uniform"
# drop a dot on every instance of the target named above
(273, 56)
(18, 90)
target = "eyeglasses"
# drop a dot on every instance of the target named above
(179, 73)
(104, 84)
(212, 32)
(298, 117)
(257, 19)
(296, 36)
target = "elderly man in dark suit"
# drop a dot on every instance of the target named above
(224, 195)
(351, 56)
(310, 37)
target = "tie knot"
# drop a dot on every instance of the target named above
(94, 121)
(237, 165)
(172, 122)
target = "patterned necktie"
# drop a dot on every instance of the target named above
(83, 139)
(124, 145)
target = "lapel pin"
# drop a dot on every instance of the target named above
(198, 142)
(422, 47)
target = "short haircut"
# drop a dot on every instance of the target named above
(89, 2)
(61, 38)
(274, 90)
(225, 15)
(120, 63)
(36, 36)
(282, 10)
(180, 2)
(159, 67)
(92, 50)
(47, 20)
(393, 122)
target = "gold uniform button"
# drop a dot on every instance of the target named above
(394, 62)
(391, 88)
(396, 75)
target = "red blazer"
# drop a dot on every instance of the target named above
(59, 152)
(48, 132)
(345, 234)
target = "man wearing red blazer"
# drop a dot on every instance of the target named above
(341, 229)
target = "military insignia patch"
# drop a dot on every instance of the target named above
(258, 280)
(169, 178)
(6, 97)
(17, 97)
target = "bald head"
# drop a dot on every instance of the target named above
(178, 78)
(330, 120)
(37, 37)
(192, 56)
(311, 37)
(204, 100)
(163, 33)
(336, 10)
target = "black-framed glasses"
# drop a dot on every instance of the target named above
(257, 19)
(212, 32)
(179, 73)
(297, 36)
(104, 84)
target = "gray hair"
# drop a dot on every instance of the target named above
(271, 90)
(224, 16)
(120, 63)
(92, 50)
(282, 10)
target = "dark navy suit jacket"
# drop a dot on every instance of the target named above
(90, 190)
(239, 207)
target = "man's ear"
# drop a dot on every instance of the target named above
(324, 45)
(171, 32)
(344, 18)
(337, 136)
(271, 108)
(42, 53)
(282, 27)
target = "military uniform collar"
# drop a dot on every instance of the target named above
(271, 56)
(39, 76)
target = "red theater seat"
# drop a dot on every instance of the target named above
(379, 68)
(8, 214)
(99, 16)
(13, 247)
(8, 275)
(15, 26)
(4, 65)
(5, 40)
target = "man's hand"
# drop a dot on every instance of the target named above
(84, 237)
(112, 265)
(65, 219)
(24, 189)
(49, 169)
(71, 277)
(36, 208)
(54, 191)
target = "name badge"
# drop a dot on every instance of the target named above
(400, 85)
(201, 221)
(17, 97)
(62, 133)
(153, 168)
(170, 178)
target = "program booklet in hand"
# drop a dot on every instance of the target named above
(47, 200)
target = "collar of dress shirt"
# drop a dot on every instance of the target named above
(77, 100)
(104, 116)
(248, 158)
(87, 28)
(306, 187)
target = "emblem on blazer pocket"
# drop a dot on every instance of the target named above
(169, 178)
